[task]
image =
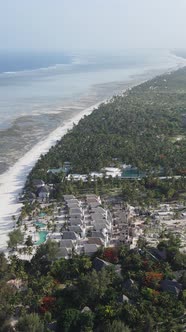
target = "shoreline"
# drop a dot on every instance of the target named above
(26, 131)
(13, 180)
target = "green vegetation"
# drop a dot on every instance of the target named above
(147, 192)
(15, 237)
(77, 297)
(30, 323)
(139, 128)
(144, 128)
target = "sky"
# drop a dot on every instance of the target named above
(98, 25)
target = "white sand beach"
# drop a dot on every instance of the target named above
(12, 182)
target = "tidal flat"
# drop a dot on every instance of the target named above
(28, 130)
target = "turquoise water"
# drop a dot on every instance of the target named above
(42, 214)
(40, 224)
(42, 237)
(132, 173)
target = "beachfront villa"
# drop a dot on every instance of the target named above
(43, 192)
(124, 172)
(82, 225)
(112, 171)
(77, 177)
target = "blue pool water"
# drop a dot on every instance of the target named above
(42, 237)
(40, 224)
(132, 173)
(42, 214)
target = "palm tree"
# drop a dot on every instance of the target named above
(20, 251)
(30, 322)
(117, 326)
(24, 250)
(29, 251)
(14, 220)
(53, 228)
(37, 228)
(49, 226)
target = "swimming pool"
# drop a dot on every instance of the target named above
(42, 237)
(42, 214)
(40, 224)
(132, 173)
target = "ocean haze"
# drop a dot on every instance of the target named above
(13, 61)
(92, 25)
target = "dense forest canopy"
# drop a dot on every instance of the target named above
(141, 289)
(75, 296)
(145, 128)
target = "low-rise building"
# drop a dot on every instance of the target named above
(37, 183)
(75, 221)
(90, 249)
(43, 192)
(69, 235)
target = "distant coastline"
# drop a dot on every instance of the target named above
(12, 182)
(181, 53)
(13, 61)
(34, 103)
(22, 133)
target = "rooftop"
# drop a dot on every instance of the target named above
(66, 243)
(90, 248)
(68, 235)
(67, 197)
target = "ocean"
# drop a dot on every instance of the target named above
(41, 91)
